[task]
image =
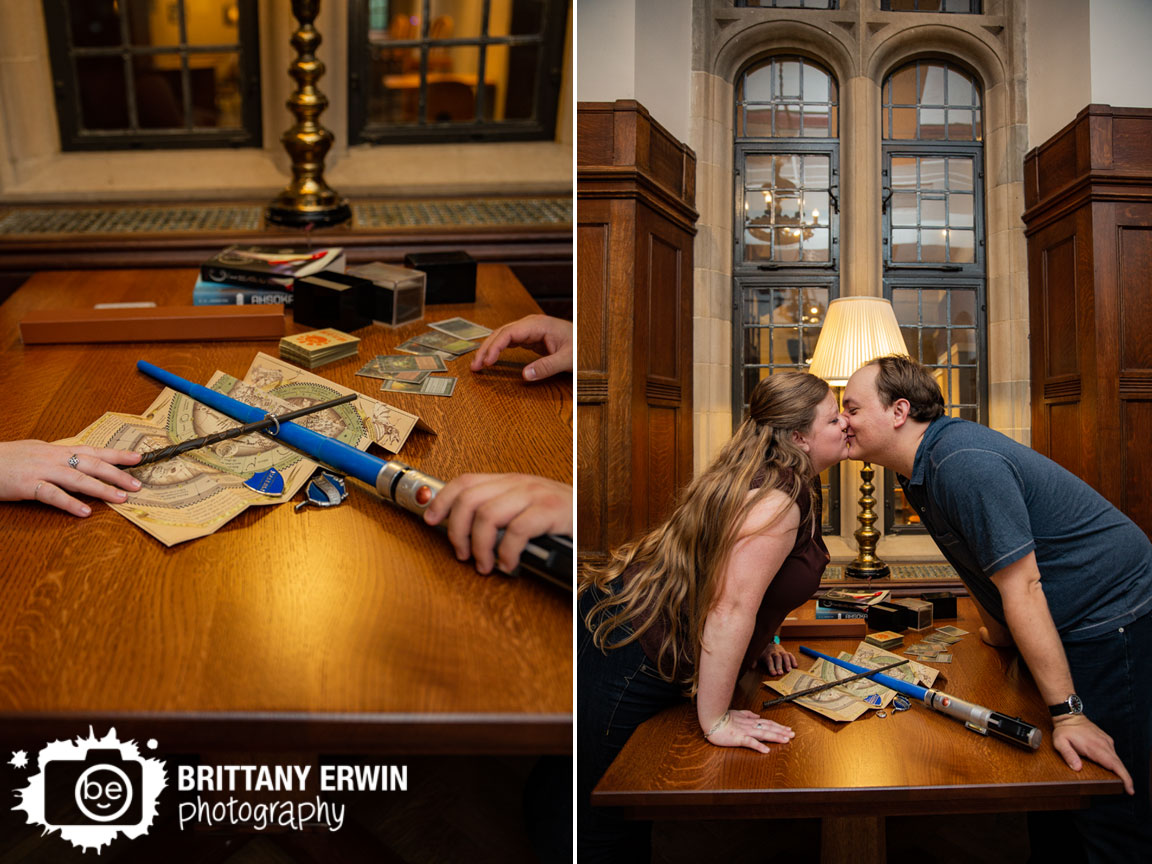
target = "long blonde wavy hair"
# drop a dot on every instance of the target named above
(676, 568)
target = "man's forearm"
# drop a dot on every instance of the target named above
(1034, 631)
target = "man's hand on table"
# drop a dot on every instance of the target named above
(1074, 735)
(40, 471)
(478, 505)
(549, 337)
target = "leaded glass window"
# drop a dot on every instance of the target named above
(933, 225)
(790, 4)
(931, 101)
(786, 259)
(443, 70)
(787, 97)
(134, 73)
(962, 7)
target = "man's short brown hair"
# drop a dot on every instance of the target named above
(903, 378)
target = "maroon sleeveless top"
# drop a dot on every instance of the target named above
(794, 583)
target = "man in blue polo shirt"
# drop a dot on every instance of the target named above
(1052, 566)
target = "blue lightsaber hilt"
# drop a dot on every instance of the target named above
(548, 556)
(975, 717)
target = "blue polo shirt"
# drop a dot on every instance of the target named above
(988, 501)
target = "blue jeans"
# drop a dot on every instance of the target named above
(616, 692)
(1113, 675)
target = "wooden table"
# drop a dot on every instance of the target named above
(353, 629)
(854, 774)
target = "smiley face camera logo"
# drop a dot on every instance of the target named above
(93, 790)
(102, 789)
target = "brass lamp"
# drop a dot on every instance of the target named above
(855, 331)
(307, 201)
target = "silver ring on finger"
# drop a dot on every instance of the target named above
(36, 491)
(74, 461)
(759, 725)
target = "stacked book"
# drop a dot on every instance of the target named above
(247, 275)
(318, 347)
(844, 603)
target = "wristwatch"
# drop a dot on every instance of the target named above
(1071, 705)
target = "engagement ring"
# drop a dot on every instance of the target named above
(74, 461)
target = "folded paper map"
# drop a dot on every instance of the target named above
(848, 701)
(193, 494)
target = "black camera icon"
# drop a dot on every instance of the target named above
(102, 789)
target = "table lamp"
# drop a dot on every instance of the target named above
(855, 331)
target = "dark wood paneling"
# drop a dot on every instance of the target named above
(1088, 191)
(662, 473)
(1136, 468)
(664, 289)
(1059, 293)
(636, 223)
(1064, 441)
(1134, 258)
(590, 437)
(592, 286)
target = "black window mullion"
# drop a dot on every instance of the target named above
(422, 101)
(129, 70)
(482, 63)
(185, 75)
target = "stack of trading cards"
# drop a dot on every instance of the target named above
(317, 347)
(884, 639)
(415, 370)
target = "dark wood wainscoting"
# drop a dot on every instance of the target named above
(1088, 193)
(636, 222)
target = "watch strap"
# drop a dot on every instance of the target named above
(1071, 705)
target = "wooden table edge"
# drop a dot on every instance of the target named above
(433, 733)
(873, 801)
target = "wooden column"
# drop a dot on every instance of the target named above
(636, 222)
(1088, 193)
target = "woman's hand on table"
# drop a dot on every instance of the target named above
(747, 729)
(778, 661)
(39, 471)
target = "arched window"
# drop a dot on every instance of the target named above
(934, 261)
(786, 256)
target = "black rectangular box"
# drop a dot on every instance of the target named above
(943, 603)
(451, 276)
(881, 616)
(331, 299)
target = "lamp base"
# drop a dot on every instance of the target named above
(860, 570)
(299, 218)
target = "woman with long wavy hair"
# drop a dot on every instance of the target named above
(681, 612)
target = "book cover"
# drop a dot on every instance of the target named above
(269, 265)
(223, 294)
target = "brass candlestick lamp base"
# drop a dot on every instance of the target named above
(307, 200)
(866, 565)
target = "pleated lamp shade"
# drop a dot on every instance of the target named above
(856, 330)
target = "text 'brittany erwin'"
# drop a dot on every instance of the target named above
(291, 778)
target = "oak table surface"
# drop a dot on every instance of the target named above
(350, 628)
(916, 761)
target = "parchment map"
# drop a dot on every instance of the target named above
(847, 702)
(192, 495)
